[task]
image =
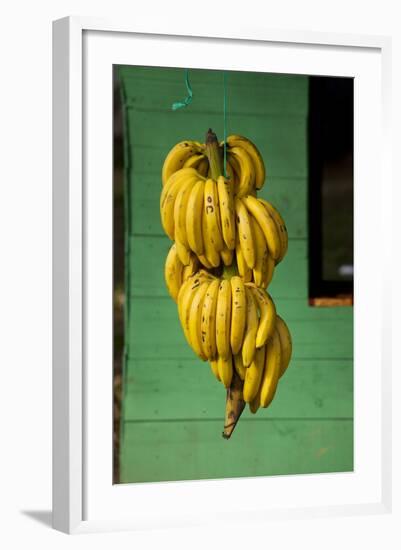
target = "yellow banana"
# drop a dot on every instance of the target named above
(239, 366)
(225, 367)
(208, 320)
(223, 319)
(231, 176)
(234, 167)
(281, 227)
(180, 212)
(195, 314)
(227, 211)
(243, 268)
(168, 197)
(255, 403)
(238, 313)
(181, 174)
(267, 321)
(181, 293)
(193, 225)
(253, 375)
(227, 256)
(183, 252)
(219, 217)
(244, 170)
(266, 223)
(245, 233)
(271, 371)
(251, 327)
(215, 368)
(177, 156)
(186, 295)
(212, 211)
(285, 342)
(267, 269)
(261, 252)
(184, 301)
(253, 152)
(194, 161)
(210, 252)
(173, 272)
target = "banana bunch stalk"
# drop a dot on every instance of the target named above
(211, 219)
(227, 243)
(235, 327)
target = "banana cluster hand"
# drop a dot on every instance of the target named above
(227, 243)
(260, 378)
(231, 324)
(262, 240)
(245, 167)
(198, 214)
(205, 218)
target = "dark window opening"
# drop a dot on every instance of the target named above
(330, 191)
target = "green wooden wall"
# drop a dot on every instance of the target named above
(173, 408)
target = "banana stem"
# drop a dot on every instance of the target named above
(230, 270)
(213, 154)
(235, 404)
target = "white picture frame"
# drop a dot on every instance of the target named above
(84, 498)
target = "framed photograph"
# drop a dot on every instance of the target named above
(219, 262)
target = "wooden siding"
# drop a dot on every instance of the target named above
(172, 406)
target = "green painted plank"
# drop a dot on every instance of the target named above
(177, 389)
(267, 97)
(163, 382)
(147, 255)
(281, 140)
(288, 195)
(184, 450)
(132, 76)
(154, 330)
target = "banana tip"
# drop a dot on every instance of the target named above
(228, 430)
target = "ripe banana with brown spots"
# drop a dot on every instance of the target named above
(285, 342)
(253, 375)
(271, 373)
(208, 320)
(245, 235)
(251, 328)
(173, 272)
(177, 157)
(266, 223)
(227, 211)
(254, 154)
(238, 314)
(267, 319)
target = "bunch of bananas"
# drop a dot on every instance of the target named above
(244, 167)
(227, 243)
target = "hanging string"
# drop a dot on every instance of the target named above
(188, 99)
(224, 123)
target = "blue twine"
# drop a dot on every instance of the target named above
(188, 99)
